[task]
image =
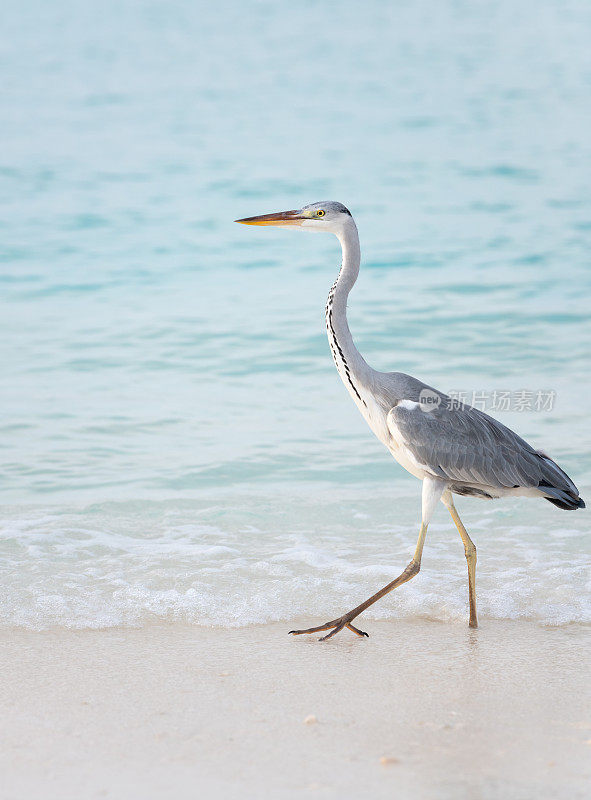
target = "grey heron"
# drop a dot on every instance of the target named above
(451, 447)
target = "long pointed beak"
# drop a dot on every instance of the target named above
(282, 218)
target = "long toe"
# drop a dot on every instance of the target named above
(334, 627)
(356, 630)
(335, 630)
(324, 627)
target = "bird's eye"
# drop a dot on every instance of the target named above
(320, 213)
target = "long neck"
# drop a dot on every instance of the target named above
(350, 364)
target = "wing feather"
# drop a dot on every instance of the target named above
(461, 443)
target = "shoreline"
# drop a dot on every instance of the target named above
(420, 709)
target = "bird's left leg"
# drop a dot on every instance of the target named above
(432, 490)
(470, 552)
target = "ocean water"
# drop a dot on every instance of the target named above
(175, 443)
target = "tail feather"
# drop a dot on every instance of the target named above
(557, 487)
(568, 504)
(563, 498)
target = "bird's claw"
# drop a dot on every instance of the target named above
(334, 627)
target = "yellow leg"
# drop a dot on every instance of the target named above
(432, 492)
(470, 551)
(409, 572)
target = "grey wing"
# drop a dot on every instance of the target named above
(464, 445)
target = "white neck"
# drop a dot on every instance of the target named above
(350, 364)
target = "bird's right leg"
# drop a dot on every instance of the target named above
(337, 625)
(432, 491)
(470, 552)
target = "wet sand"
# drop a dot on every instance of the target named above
(419, 710)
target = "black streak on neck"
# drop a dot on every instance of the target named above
(334, 343)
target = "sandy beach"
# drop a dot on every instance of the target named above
(420, 709)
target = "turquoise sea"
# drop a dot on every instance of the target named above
(175, 443)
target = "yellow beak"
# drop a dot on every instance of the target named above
(281, 218)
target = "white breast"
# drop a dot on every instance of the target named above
(397, 446)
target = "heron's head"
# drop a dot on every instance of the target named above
(327, 217)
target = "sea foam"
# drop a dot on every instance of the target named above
(135, 564)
